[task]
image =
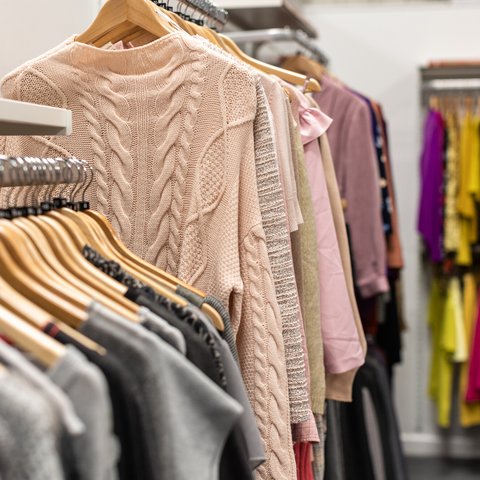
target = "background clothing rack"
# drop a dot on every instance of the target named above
(255, 14)
(449, 79)
(279, 34)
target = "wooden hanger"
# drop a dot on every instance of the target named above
(304, 65)
(149, 270)
(100, 242)
(119, 18)
(311, 84)
(38, 293)
(45, 349)
(49, 256)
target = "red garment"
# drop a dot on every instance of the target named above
(304, 459)
(473, 389)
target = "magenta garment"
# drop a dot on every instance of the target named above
(342, 348)
(356, 167)
(430, 213)
(473, 388)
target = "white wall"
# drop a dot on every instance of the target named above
(378, 48)
(31, 27)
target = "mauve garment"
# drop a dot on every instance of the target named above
(356, 169)
(430, 219)
(342, 348)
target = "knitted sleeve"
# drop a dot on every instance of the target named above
(274, 223)
(262, 357)
(253, 304)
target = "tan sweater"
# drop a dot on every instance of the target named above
(169, 130)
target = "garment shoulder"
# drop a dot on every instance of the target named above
(30, 84)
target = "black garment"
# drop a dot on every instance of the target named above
(334, 450)
(198, 301)
(389, 337)
(126, 410)
(357, 457)
(199, 340)
(201, 347)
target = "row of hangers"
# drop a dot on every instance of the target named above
(466, 102)
(43, 274)
(141, 21)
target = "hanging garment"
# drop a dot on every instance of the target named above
(204, 346)
(335, 466)
(394, 247)
(194, 209)
(473, 389)
(469, 412)
(430, 217)
(274, 219)
(468, 188)
(448, 344)
(305, 258)
(97, 450)
(342, 349)
(281, 262)
(385, 200)
(356, 170)
(451, 234)
(339, 386)
(28, 431)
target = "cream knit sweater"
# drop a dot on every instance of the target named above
(169, 130)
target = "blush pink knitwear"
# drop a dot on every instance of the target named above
(168, 128)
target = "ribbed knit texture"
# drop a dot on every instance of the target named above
(274, 222)
(169, 130)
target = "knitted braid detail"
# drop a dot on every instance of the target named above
(268, 391)
(87, 102)
(167, 215)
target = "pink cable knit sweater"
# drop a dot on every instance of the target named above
(169, 130)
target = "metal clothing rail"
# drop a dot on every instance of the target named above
(34, 171)
(279, 34)
(203, 9)
(449, 80)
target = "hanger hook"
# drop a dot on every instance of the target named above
(88, 170)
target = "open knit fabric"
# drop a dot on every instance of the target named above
(168, 128)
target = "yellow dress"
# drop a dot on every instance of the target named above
(469, 412)
(451, 234)
(468, 187)
(448, 344)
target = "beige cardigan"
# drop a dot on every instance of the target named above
(169, 129)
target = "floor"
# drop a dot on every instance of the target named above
(441, 469)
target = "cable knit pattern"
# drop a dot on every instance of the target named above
(170, 125)
(274, 222)
(271, 408)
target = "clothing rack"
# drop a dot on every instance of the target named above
(449, 79)
(34, 171)
(279, 34)
(205, 8)
(260, 14)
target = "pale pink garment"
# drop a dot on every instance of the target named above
(342, 347)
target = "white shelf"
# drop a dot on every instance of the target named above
(22, 118)
(261, 14)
